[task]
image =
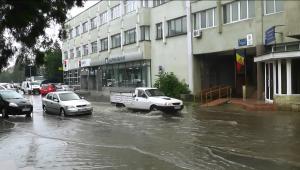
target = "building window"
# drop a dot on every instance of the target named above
(71, 53)
(130, 6)
(145, 32)
(131, 74)
(66, 55)
(177, 26)
(238, 10)
(129, 36)
(115, 41)
(93, 23)
(71, 33)
(85, 50)
(104, 44)
(145, 3)
(115, 12)
(94, 46)
(103, 18)
(77, 30)
(158, 2)
(84, 27)
(78, 52)
(205, 19)
(159, 31)
(273, 6)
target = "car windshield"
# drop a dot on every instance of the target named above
(10, 95)
(35, 83)
(154, 92)
(68, 96)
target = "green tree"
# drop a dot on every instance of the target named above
(15, 74)
(53, 64)
(25, 22)
(170, 85)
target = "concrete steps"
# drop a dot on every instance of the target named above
(216, 102)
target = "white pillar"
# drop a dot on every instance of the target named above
(279, 77)
(266, 83)
(288, 76)
(137, 34)
(164, 30)
(189, 46)
(274, 78)
(149, 83)
(269, 81)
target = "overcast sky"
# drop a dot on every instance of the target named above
(53, 31)
(74, 11)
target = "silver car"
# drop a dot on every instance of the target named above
(66, 103)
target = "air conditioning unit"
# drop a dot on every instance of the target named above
(197, 33)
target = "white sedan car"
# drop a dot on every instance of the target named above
(66, 103)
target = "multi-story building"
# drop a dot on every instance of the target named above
(127, 43)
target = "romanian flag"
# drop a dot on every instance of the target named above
(240, 62)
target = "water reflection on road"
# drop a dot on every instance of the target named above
(114, 138)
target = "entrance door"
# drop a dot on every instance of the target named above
(269, 82)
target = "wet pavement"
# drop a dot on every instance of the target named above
(117, 138)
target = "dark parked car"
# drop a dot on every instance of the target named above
(13, 103)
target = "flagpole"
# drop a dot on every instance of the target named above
(235, 72)
(245, 65)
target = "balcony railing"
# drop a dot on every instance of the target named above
(283, 47)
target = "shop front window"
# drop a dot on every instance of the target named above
(131, 74)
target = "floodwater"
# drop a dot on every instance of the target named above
(114, 138)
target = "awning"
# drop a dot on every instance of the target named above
(277, 56)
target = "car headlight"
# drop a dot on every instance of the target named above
(71, 107)
(13, 105)
(168, 104)
(88, 105)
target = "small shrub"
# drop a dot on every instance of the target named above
(170, 85)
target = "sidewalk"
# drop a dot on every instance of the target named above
(253, 104)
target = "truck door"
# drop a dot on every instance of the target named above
(141, 100)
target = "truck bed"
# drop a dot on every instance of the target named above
(121, 98)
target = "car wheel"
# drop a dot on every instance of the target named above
(153, 108)
(28, 115)
(4, 113)
(44, 109)
(62, 112)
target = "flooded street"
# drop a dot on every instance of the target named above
(114, 138)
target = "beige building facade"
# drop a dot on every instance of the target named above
(196, 40)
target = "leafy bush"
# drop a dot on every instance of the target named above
(170, 85)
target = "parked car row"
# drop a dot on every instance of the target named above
(34, 87)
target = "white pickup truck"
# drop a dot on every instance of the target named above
(145, 98)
